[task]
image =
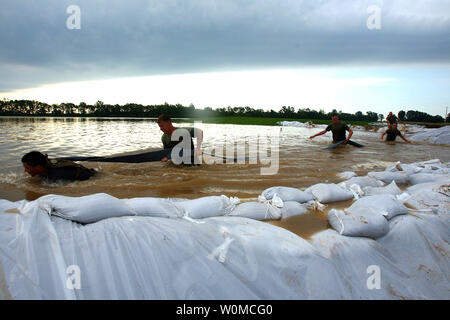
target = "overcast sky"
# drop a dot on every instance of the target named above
(226, 42)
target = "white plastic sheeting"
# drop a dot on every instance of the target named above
(221, 258)
(430, 197)
(437, 136)
(411, 260)
(226, 257)
(158, 258)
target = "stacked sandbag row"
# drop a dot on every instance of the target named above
(96, 207)
(366, 217)
(274, 203)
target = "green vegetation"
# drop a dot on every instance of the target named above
(229, 115)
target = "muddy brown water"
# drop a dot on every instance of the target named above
(302, 162)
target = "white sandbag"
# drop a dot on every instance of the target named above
(368, 225)
(410, 168)
(87, 209)
(257, 211)
(414, 168)
(154, 207)
(292, 208)
(424, 178)
(362, 182)
(399, 177)
(205, 207)
(347, 175)
(357, 191)
(393, 167)
(326, 193)
(391, 188)
(432, 161)
(382, 204)
(287, 194)
(435, 163)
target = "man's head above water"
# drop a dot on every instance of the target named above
(35, 163)
(335, 118)
(38, 164)
(165, 124)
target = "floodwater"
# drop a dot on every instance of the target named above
(302, 162)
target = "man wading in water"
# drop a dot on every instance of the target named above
(392, 133)
(38, 164)
(391, 119)
(171, 139)
(338, 129)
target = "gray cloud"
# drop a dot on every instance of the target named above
(127, 38)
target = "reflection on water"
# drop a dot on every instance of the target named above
(302, 161)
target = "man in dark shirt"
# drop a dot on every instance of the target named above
(338, 129)
(170, 140)
(391, 119)
(36, 163)
(392, 133)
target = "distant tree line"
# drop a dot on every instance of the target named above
(100, 109)
(417, 116)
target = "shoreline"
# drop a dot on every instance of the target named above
(238, 120)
